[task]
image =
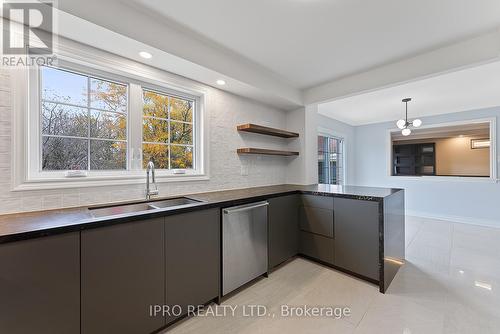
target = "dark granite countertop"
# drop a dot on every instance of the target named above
(42, 223)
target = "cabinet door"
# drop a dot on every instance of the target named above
(316, 215)
(317, 221)
(192, 259)
(357, 236)
(317, 247)
(283, 229)
(123, 274)
(40, 285)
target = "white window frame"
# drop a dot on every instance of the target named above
(493, 154)
(35, 145)
(82, 59)
(333, 134)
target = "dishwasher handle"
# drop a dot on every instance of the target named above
(247, 207)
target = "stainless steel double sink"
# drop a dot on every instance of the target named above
(171, 203)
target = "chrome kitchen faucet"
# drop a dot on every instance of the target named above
(149, 192)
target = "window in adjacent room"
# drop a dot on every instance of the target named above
(330, 160)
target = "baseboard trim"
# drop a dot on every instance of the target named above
(455, 219)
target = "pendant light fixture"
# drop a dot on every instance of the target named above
(404, 124)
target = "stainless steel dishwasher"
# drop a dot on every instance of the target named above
(244, 244)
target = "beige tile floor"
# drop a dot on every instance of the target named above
(449, 284)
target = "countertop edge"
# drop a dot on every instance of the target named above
(91, 223)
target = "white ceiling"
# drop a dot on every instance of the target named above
(467, 89)
(288, 53)
(309, 42)
(173, 51)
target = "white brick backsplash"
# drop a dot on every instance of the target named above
(52, 201)
(32, 203)
(96, 196)
(225, 111)
(127, 194)
(5, 114)
(71, 200)
(10, 205)
(4, 144)
(4, 83)
(5, 129)
(5, 98)
(5, 160)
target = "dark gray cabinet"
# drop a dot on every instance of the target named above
(317, 227)
(317, 221)
(123, 274)
(316, 215)
(283, 228)
(317, 247)
(192, 259)
(40, 285)
(317, 201)
(357, 236)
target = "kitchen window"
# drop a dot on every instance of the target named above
(167, 130)
(87, 125)
(83, 122)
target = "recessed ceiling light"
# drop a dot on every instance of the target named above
(145, 55)
(221, 82)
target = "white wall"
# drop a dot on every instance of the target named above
(346, 131)
(470, 201)
(309, 123)
(225, 111)
(296, 122)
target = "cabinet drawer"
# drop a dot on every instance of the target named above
(322, 202)
(317, 247)
(316, 220)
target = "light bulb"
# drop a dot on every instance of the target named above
(416, 123)
(406, 132)
(401, 124)
(145, 55)
(220, 82)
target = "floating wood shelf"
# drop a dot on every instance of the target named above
(248, 150)
(264, 130)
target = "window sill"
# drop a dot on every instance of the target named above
(101, 181)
